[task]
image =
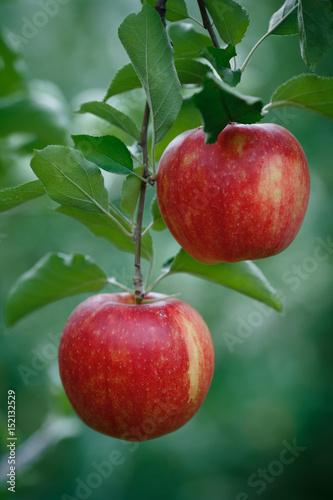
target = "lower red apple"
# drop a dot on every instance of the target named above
(244, 197)
(135, 371)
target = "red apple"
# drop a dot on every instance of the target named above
(135, 372)
(243, 197)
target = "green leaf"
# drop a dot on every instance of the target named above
(220, 104)
(191, 72)
(244, 277)
(54, 277)
(126, 79)
(104, 227)
(13, 196)
(311, 92)
(158, 222)
(315, 24)
(69, 179)
(230, 19)
(186, 41)
(284, 21)
(111, 115)
(220, 60)
(130, 192)
(108, 152)
(176, 10)
(189, 117)
(146, 42)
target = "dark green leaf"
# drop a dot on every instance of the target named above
(104, 227)
(13, 196)
(244, 277)
(54, 277)
(284, 21)
(188, 118)
(159, 223)
(186, 41)
(111, 115)
(230, 19)
(191, 72)
(315, 24)
(108, 152)
(220, 104)
(220, 60)
(69, 179)
(126, 79)
(176, 10)
(130, 192)
(146, 42)
(311, 92)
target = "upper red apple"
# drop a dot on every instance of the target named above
(135, 372)
(243, 197)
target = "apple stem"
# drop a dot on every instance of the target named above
(139, 292)
(207, 24)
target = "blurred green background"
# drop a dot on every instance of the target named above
(272, 388)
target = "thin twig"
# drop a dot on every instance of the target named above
(207, 24)
(138, 280)
(269, 32)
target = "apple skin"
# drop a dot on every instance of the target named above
(135, 372)
(244, 197)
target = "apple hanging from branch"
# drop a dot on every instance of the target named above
(135, 371)
(242, 198)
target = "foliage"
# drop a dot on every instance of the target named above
(73, 177)
(276, 383)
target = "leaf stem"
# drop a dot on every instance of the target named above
(138, 280)
(157, 281)
(269, 32)
(277, 104)
(207, 24)
(113, 281)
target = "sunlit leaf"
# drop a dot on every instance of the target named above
(311, 92)
(54, 277)
(244, 277)
(111, 115)
(146, 42)
(70, 179)
(108, 152)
